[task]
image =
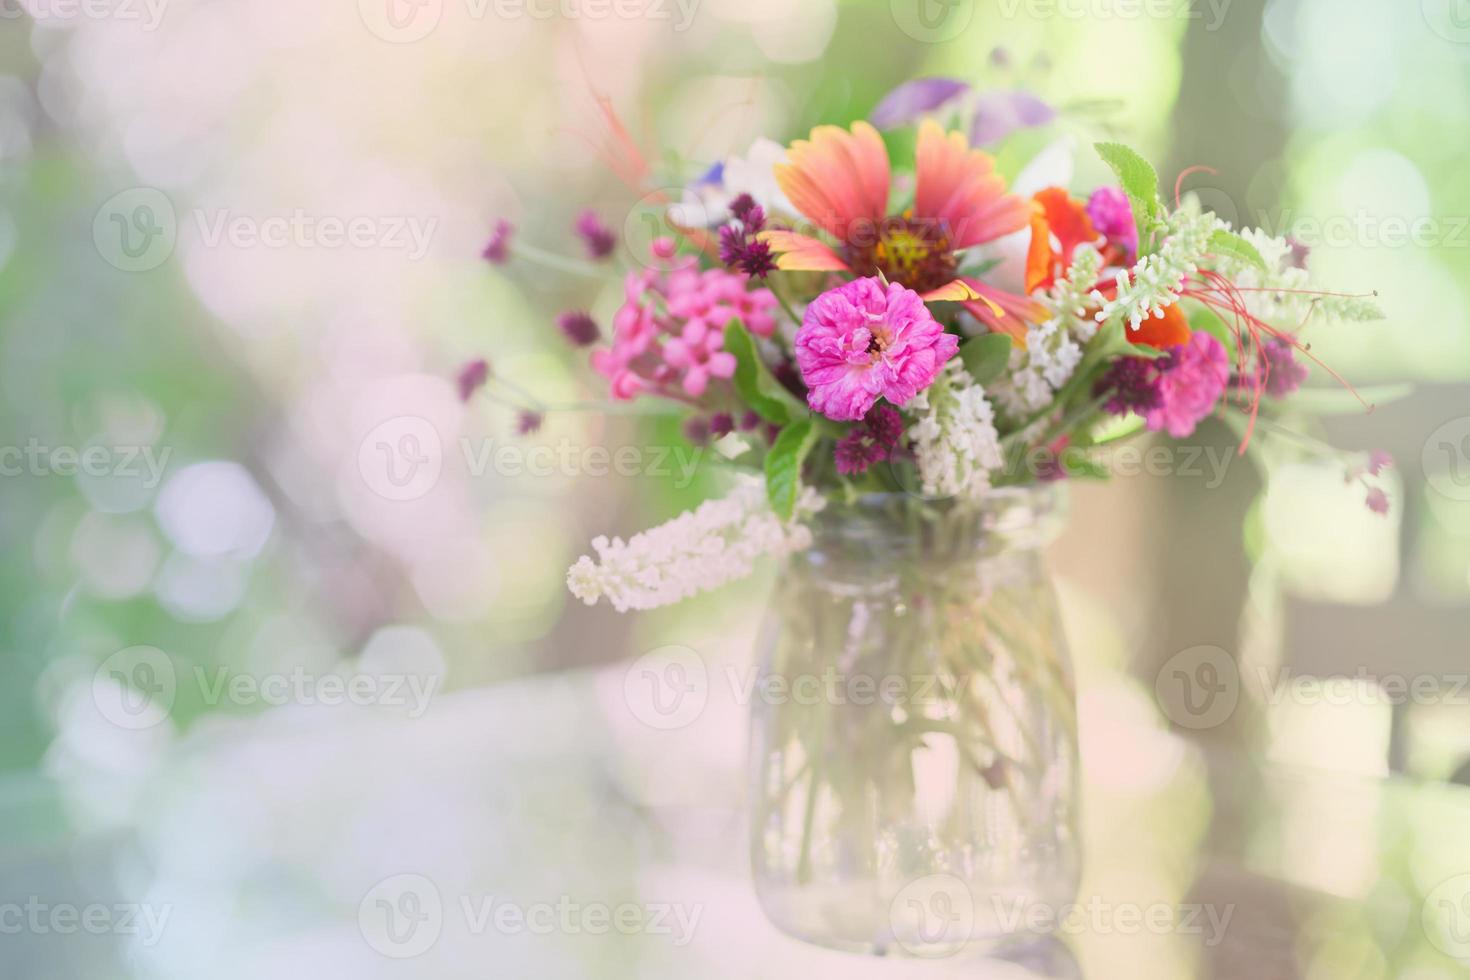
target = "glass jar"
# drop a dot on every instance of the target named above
(914, 748)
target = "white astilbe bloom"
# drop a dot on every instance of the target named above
(1155, 282)
(714, 544)
(954, 438)
(1054, 347)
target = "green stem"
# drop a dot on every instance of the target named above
(558, 262)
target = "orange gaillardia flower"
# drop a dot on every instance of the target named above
(840, 180)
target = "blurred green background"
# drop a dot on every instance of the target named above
(177, 292)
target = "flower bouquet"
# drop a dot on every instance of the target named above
(904, 356)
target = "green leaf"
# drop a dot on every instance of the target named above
(1207, 320)
(1139, 179)
(783, 466)
(1083, 468)
(754, 380)
(978, 269)
(1340, 401)
(1228, 243)
(986, 356)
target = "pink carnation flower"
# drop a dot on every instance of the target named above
(860, 342)
(1190, 386)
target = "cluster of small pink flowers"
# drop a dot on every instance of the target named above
(670, 330)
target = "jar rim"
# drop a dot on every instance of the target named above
(1003, 519)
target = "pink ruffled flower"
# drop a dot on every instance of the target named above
(1190, 386)
(860, 342)
(670, 331)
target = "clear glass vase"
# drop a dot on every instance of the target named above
(914, 749)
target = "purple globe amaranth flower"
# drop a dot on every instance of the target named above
(1111, 214)
(598, 238)
(1378, 461)
(471, 377)
(1377, 501)
(497, 250)
(528, 422)
(739, 248)
(861, 341)
(1284, 373)
(1190, 386)
(579, 328)
(869, 442)
(1134, 386)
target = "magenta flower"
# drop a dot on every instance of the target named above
(471, 377)
(579, 328)
(1190, 385)
(497, 250)
(1284, 373)
(528, 422)
(1111, 214)
(598, 238)
(860, 342)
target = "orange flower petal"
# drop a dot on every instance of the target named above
(956, 291)
(838, 178)
(799, 253)
(1040, 258)
(1170, 330)
(959, 190)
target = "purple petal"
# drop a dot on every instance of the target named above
(998, 114)
(912, 99)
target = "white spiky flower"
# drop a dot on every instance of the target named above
(1156, 280)
(1054, 347)
(1281, 294)
(710, 546)
(955, 441)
